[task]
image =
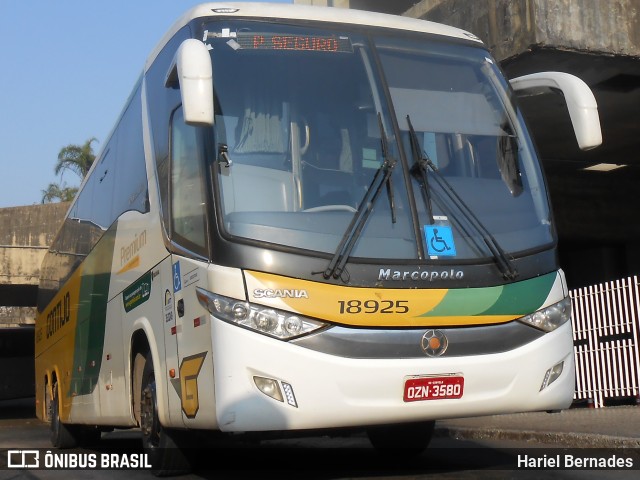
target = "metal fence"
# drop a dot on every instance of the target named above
(605, 332)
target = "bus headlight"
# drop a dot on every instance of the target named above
(269, 321)
(551, 317)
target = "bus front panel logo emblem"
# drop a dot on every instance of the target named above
(434, 343)
(186, 386)
(439, 240)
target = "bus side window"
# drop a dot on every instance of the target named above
(188, 223)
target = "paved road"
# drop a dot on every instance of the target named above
(310, 458)
(610, 427)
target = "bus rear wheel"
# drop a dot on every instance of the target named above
(159, 443)
(407, 439)
(62, 436)
(68, 436)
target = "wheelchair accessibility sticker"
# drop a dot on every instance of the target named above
(439, 241)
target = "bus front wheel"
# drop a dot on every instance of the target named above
(159, 443)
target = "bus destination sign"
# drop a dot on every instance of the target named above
(307, 43)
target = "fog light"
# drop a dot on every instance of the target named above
(288, 393)
(552, 375)
(269, 387)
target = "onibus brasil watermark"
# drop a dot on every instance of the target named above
(50, 459)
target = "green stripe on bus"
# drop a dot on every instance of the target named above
(519, 298)
(92, 314)
(524, 297)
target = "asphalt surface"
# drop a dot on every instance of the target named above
(490, 444)
(608, 427)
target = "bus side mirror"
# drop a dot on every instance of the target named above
(191, 71)
(581, 103)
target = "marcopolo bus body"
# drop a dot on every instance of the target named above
(309, 218)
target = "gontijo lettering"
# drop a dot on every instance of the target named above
(59, 315)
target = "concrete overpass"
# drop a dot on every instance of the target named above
(598, 41)
(25, 235)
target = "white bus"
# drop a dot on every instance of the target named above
(309, 218)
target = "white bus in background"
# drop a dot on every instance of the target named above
(309, 218)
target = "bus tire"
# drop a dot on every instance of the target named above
(407, 439)
(159, 443)
(62, 436)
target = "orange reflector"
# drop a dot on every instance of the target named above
(172, 373)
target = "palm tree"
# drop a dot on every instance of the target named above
(77, 158)
(55, 192)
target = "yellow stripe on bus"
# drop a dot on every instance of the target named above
(358, 306)
(55, 340)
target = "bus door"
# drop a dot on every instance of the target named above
(194, 377)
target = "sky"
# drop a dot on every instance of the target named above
(67, 67)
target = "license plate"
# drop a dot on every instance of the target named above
(417, 389)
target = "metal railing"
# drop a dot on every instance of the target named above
(605, 334)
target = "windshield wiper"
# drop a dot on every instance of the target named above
(384, 145)
(419, 169)
(359, 220)
(422, 163)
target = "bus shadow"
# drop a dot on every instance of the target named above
(355, 461)
(323, 458)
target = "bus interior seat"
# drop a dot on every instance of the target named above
(327, 165)
(249, 187)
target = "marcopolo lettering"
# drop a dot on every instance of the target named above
(451, 274)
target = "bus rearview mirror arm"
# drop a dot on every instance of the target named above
(579, 98)
(191, 71)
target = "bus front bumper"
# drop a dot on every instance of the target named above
(318, 390)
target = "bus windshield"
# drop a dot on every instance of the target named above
(301, 114)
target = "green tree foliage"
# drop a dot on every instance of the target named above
(57, 193)
(78, 159)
